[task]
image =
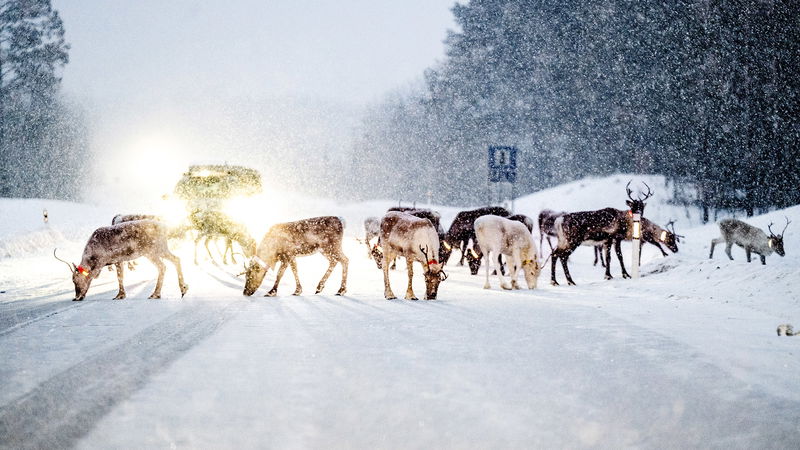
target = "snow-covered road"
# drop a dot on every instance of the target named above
(686, 356)
(597, 364)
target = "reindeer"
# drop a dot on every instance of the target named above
(119, 243)
(605, 226)
(752, 239)
(372, 229)
(475, 254)
(547, 229)
(462, 231)
(500, 236)
(211, 224)
(435, 219)
(284, 242)
(651, 234)
(415, 239)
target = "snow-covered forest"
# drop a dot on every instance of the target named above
(703, 92)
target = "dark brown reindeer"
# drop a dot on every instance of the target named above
(120, 243)
(606, 226)
(752, 239)
(415, 239)
(462, 232)
(286, 241)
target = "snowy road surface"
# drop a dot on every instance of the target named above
(686, 356)
(596, 364)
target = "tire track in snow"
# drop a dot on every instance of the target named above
(65, 407)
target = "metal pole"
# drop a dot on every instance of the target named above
(637, 234)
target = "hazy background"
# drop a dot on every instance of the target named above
(278, 85)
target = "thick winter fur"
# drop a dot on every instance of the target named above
(286, 241)
(604, 226)
(415, 239)
(752, 239)
(500, 236)
(125, 241)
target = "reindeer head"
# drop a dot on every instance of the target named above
(669, 238)
(433, 275)
(81, 278)
(474, 256)
(637, 205)
(531, 268)
(775, 241)
(254, 273)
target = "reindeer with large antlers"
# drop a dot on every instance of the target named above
(752, 239)
(415, 239)
(606, 226)
(116, 244)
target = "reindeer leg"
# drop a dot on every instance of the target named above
(331, 264)
(177, 263)
(514, 266)
(566, 269)
(486, 284)
(196, 243)
(728, 246)
(607, 248)
(344, 262)
(763, 260)
(272, 292)
(409, 292)
(297, 289)
(553, 258)
(618, 249)
(748, 251)
(503, 283)
(121, 293)
(161, 269)
(387, 289)
(714, 242)
(463, 248)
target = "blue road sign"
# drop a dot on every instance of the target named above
(502, 164)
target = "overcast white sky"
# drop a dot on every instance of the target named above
(344, 50)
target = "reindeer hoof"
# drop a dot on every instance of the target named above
(77, 299)
(154, 296)
(184, 288)
(609, 277)
(506, 287)
(571, 283)
(297, 292)
(271, 294)
(487, 286)
(412, 298)
(391, 298)
(554, 283)
(340, 292)
(119, 297)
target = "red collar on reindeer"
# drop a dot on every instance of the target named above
(433, 261)
(83, 271)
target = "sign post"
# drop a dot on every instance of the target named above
(503, 167)
(636, 240)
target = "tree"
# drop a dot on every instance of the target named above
(35, 128)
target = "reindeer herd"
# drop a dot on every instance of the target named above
(413, 234)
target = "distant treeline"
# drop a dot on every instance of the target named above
(43, 140)
(704, 92)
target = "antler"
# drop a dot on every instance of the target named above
(71, 266)
(628, 189)
(648, 194)
(671, 226)
(769, 227)
(424, 252)
(787, 225)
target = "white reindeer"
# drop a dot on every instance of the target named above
(500, 236)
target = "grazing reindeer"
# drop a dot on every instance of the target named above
(372, 229)
(119, 243)
(211, 225)
(475, 254)
(415, 239)
(435, 219)
(286, 241)
(462, 231)
(651, 234)
(752, 239)
(500, 236)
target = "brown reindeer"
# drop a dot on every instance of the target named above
(116, 244)
(415, 239)
(286, 241)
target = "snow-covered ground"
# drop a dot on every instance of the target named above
(687, 355)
